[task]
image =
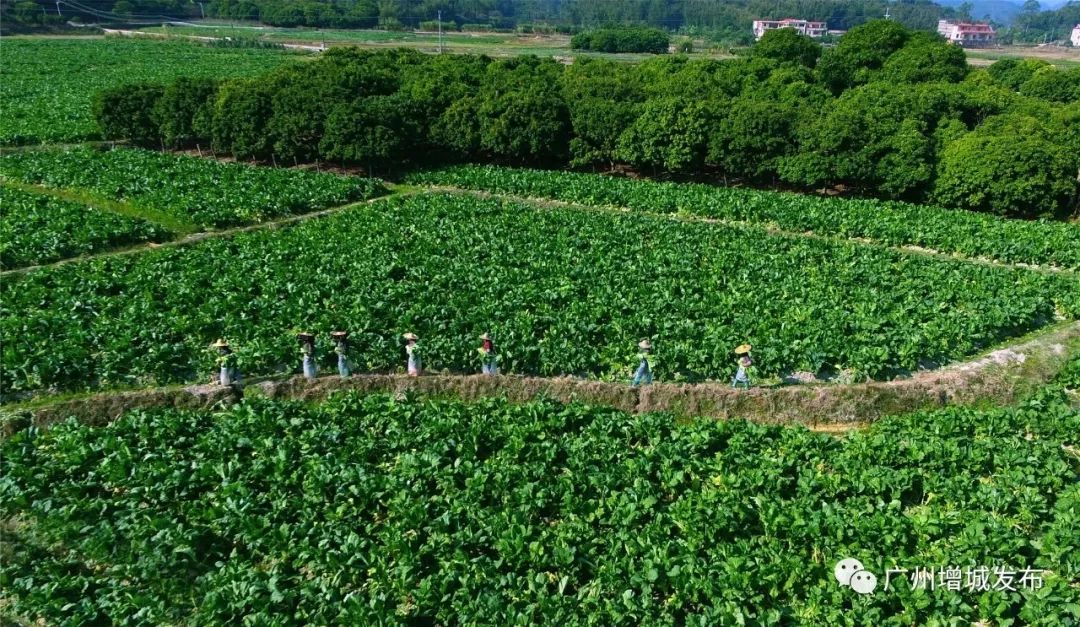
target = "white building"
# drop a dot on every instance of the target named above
(1075, 39)
(967, 34)
(811, 29)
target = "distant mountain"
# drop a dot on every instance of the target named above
(1001, 11)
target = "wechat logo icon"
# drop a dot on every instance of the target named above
(850, 572)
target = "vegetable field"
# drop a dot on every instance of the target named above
(195, 191)
(564, 291)
(38, 229)
(371, 510)
(46, 85)
(892, 223)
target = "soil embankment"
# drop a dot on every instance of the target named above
(1001, 378)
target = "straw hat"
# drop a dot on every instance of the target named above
(485, 336)
(220, 344)
(645, 343)
(742, 349)
(339, 335)
(410, 336)
(305, 337)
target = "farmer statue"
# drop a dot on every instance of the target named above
(489, 358)
(643, 374)
(743, 362)
(226, 362)
(307, 349)
(341, 347)
(412, 351)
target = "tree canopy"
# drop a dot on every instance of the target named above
(888, 112)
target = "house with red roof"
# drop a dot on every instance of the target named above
(968, 34)
(804, 27)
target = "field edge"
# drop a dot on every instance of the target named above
(1000, 378)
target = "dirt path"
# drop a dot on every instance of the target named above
(200, 38)
(1000, 378)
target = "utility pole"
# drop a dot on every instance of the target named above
(887, 16)
(202, 10)
(440, 32)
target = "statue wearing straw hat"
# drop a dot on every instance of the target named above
(489, 358)
(341, 347)
(743, 362)
(643, 374)
(307, 348)
(226, 362)
(412, 351)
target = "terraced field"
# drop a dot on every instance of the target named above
(566, 291)
(372, 510)
(47, 85)
(37, 229)
(892, 223)
(192, 192)
(396, 509)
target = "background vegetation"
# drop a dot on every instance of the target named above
(732, 17)
(887, 112)
(622, 39)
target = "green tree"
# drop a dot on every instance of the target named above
(876, 138)
(1054, 85)
(126, 112)
(525, 126)
(374, 131)
(623, 39)
(28, 12)
(926, 58)
(860, 53)
(521, 113)
(788, 46)
(458, 128)
(1009, 173)
(184, 113)
(670, 133)
(241, 113)
(603, 99)
(751, 136)
(1013, 73)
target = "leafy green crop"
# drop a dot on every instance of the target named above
(203, 191)
(564, 292)
(371, 511)
(38, 229)
(46, 85)
(892, 223)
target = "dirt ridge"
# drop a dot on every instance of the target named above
(1002, 377)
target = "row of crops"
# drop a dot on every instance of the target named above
(564, 291)
(892, 223)
(200, 192)
(373, 510)
(46, 85)
(37, 229)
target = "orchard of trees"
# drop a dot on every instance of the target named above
(887, 112)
